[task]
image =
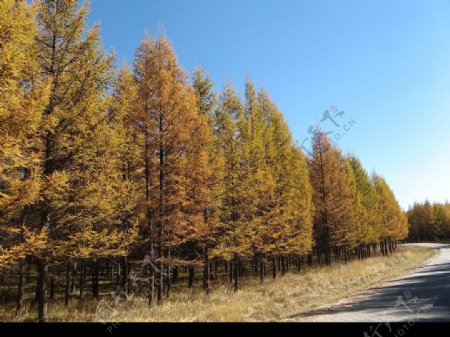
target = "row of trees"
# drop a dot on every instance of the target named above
(429, 222)
(99, 169)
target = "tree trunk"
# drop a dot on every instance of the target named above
(124, 286)
(211, 271)
(82, 276)
(74, 272)
(168, 285)
(20, 289)
(236, 272)
(175, 274)
(52, 284)
(42, 291)
(151, 289)
(118, 274)
(206, 271)
(94, 278)
(191, 277)
(28, 270)
(261, 269)
(274, 267)
(129, 274)
(160, 284)
(67, 293)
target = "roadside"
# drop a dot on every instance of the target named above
(420, 295)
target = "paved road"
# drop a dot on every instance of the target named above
(421, 296)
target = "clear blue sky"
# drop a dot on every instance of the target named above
(385, 63)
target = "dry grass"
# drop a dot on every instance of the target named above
(273, 300)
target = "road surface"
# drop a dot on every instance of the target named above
(420, 296)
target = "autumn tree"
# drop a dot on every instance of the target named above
(285, 224)
(368, 200)
(174, 137)
(429, 222)
(334, 219)
(207, 102)
(232, 230)
(392, 224)
(75, 208)
(23, 95)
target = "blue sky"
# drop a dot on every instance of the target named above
(385, 63)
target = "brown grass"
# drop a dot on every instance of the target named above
(273, 300)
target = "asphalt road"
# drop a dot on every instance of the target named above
(420, 296)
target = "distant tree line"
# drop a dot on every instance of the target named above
(102, 170)
(429, 222)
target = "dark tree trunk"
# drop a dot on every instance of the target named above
(151, 289)
(274, 267)
(175, 274)
(67, 293)
(169, 283)
(236, 272)
(74, 273)
(118, 274)
(20, 289)
(205, 271)
(82, 274)
(28, 270)
(129, 281)
(261, 269)
(160, 284)
(52, 283)
(310, 259)
(42, 291)
(211, 271)
(124, 285)
(94, 278)
(191, 277)
(283, 265)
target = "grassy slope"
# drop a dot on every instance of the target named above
(272, 301)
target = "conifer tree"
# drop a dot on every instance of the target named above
(232, 229)
(23, 94)
(175, 138)
(334, 217)
(207, 102)
(368, 199)
(392, 222)
(81, 197)
(258, 180)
